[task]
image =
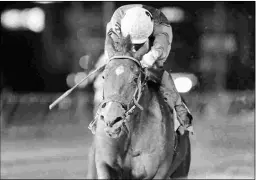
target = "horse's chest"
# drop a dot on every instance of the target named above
(142, 165)
(151, 144)
(145, 159)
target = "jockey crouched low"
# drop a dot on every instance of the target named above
(143, 23)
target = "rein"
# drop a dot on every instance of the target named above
(121, 100)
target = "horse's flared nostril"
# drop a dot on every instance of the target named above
(103, 105)
(124, 107)
(115, 121)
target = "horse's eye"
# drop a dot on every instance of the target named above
(124, 107)
(103, 77)
(135, 80)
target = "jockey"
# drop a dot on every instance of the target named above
(143, 23)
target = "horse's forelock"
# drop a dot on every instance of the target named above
(123, 46)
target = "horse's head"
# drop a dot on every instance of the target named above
(121, 89)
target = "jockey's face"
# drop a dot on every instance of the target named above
(136, 47)
(141, 49)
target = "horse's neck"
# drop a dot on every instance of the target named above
(149, 100)
(148, 95)
(151, 124)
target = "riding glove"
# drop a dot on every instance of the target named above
(149, 59)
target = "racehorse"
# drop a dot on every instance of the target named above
(134, 129)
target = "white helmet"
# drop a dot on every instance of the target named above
(137, 23)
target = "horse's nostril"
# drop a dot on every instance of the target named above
(115, 121)
(124, 107)
(102, 117)
(103, 105)
(118, 119)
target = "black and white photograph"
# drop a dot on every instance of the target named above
(127, 89)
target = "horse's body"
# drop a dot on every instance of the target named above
(145, 146)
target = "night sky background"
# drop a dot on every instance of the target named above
(23, 56)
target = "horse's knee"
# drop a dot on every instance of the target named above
(105, 171)
(91, 170)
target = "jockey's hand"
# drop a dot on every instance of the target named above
(149, 59)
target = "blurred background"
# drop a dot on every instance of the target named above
(46, 47)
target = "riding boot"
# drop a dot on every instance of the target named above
(174, 100)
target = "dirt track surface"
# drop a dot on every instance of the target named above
(221, 148)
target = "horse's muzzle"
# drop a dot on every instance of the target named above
(112, 113)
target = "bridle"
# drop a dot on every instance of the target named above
(119, 99)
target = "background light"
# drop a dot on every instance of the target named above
(183, 84)
(35, 20)
(79, 76)
(84, 61)
(32, 19)
(10, 19)
(44, 2)
(173, 14)
(70, 80)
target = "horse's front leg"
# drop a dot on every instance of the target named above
(103, 171)
(107, 166)
(106, 171)
(91, 172)
(109, 154)
(99, 170)
(108, 161)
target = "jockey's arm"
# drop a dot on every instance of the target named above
(162, 43)
(162, 36)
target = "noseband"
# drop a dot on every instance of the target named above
(119, 99)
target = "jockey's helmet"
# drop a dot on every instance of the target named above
(138, 23)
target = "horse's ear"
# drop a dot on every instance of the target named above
(125, 44)
(109, 44)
